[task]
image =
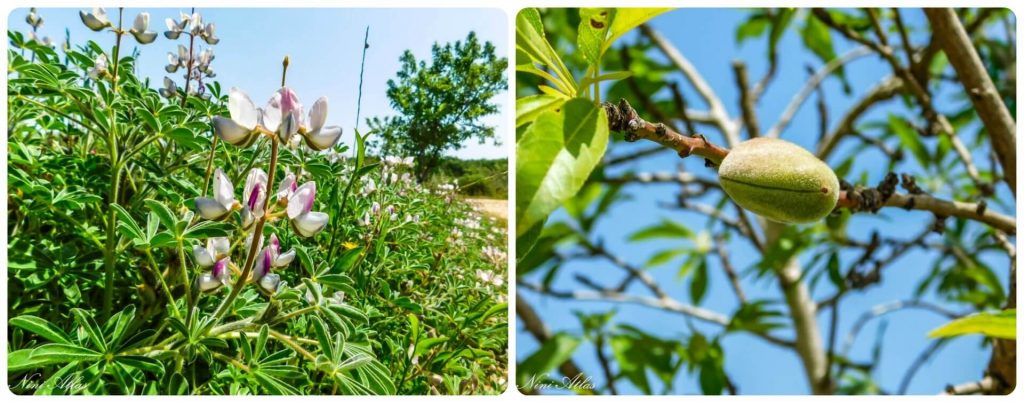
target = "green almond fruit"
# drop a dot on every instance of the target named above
(779, 180)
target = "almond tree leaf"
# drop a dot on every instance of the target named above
(1001, 325)
(556, 155)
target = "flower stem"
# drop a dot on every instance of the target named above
(109, 258)
(163, 283)
(209, 165)
(184, 280)
(188, 69)
(117, 47)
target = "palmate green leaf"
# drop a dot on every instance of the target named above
(528, 108)
(377, 378)
(188, 139)
(273, 385)
(549, 356)
(207, 229)
(1002, 324)
(65, 353)
(118, 324)
(20, 360)
(145, 364)
(555, 156)
(40, 327)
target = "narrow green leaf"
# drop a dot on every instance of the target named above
(1001, 325)
(40, 327)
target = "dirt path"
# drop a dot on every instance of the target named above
(497, 208)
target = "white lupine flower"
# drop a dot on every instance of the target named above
(253, 196)
(218, 277)
(216, 249)
(170, 90)
(365, 221)
(269, 258)
(240, 128)
(208, 34)
(305, 222)
(99, 67)
(316, 135)
(287, 187)
(369, 187)
(96, 20)
(45, 41)
(223, 201)
(140, 29)
(33, 19)
(174, 28)
(196, 21)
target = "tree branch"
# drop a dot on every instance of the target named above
(945, 208)
(533, 324)
(664, 304)
(802, 310)
(715, 107)
(976, 82)
(746, 99)
(884, 90)
(812, 83)
(623, 117)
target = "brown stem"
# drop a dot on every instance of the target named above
(976, 82)
(623, 118)
(946, 208)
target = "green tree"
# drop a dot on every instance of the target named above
(440, 105)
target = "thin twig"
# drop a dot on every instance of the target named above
(811, 85)
(715, 107)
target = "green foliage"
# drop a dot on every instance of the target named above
(562, 133)
(103, 176)
(555, 156)
(440, 104)
(476, 178)
(705, 236)
(1002, 324)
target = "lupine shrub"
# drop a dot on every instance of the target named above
(182, 240)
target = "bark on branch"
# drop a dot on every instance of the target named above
(978, 85)
(623, 118)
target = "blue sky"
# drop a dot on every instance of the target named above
(325, 47)
(706, 37)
